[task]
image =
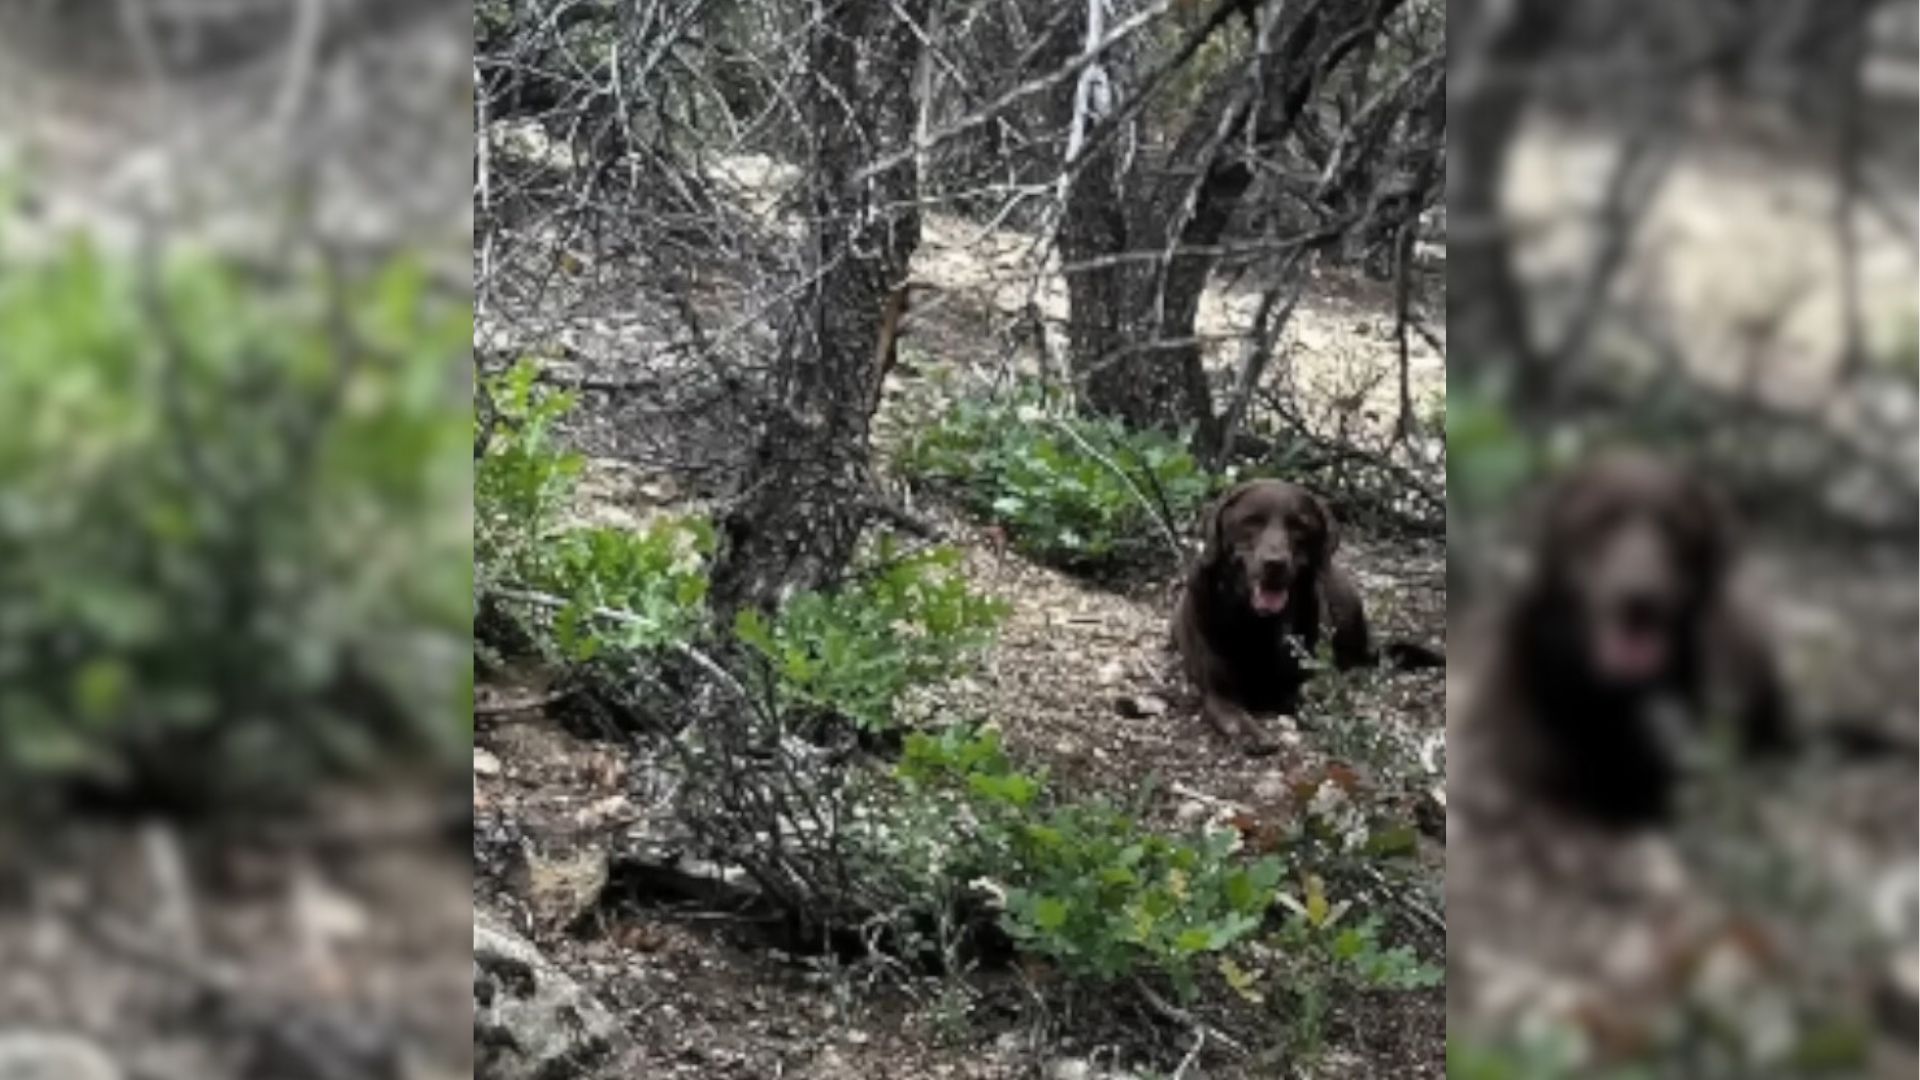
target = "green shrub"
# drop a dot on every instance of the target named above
(1086, 884)
(603, 587)
(1105, 897)
(904, 621)
(656, 580)
(1061, 502)
(1108, 899)
(234, 541)
(1489, 460)
(1318, 956)
(523, 480)
(901, 620)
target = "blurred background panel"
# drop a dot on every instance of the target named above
(235, 538)
(1688, 230)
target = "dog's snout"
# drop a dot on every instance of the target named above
(1642, 611)
(1276, 571)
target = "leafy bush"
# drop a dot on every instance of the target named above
(1103, 896)
(1489, 460)
(233, 530)
(1081, 494)
(1108, 899)
(627, 590)
(1086, 885)
(906, 621)
(615, 588)
(523, 480)
(1317, 956)
(901, 620)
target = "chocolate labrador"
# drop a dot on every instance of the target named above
(1257, 602)
(1627, 637)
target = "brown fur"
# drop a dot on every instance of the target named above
(1627, 616)
(1265, 538)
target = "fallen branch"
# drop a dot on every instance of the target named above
(1175, 1014)
(1159, 515)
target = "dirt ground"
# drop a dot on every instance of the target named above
(295, 948)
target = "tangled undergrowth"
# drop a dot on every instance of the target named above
(930, 827)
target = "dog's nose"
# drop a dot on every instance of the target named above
(1275, 573)
(1642, 611)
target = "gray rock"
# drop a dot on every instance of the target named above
(26, 1055)
(530, 1021)
(1140, 706)
(1069, 1069)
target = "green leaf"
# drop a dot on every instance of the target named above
(1049, 913)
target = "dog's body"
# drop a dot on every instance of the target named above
(1258, 602)
(1626, 635)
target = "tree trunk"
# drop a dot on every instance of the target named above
(797, 517)
(1135, 353)
(1487, 312)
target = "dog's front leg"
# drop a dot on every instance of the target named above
(1237, 726)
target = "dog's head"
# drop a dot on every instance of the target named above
(1265, 536)
(1631, 552)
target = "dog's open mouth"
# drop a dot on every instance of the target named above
(1630, 654)
(1268, 600)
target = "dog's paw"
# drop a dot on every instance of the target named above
(1259, 744)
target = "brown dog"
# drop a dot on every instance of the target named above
(1625, 625)
(1256, 603)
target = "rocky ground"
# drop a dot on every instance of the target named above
(322, 948)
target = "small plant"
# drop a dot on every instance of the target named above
(656, 582)
(905, 621)
(1489, 459)
(1106, 898)
(1315, 958)
(523, 481)
(1085, 884)
(233, 534)
(619, 588)
(1081, 494)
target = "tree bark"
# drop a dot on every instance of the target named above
(796, 520)
(1487, 312)
(1132, 326)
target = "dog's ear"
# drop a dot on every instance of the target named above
(1545, 515)
(1714, 524)
(1329, 528)
(1213, 528)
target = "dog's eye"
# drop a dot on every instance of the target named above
(1253, 522)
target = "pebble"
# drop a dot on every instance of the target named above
(1271, 787)
(1069, 1069)
(1139, 706)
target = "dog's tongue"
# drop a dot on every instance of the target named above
(1631, 656)
(1269, 601)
